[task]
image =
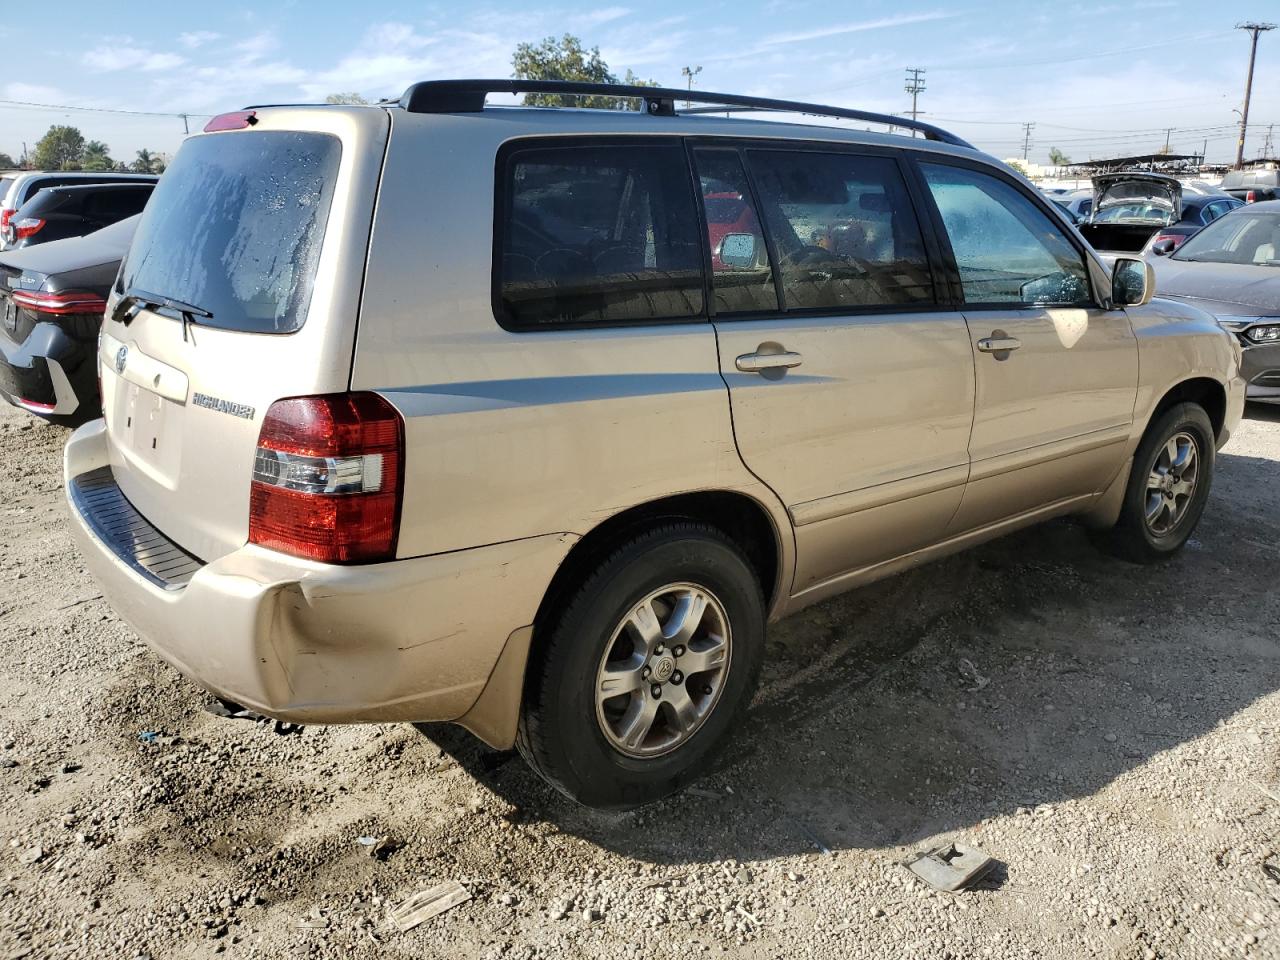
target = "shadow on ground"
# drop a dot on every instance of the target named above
(871, 731)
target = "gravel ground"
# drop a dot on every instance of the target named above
(1107, 732)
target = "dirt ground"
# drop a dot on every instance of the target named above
(1109, 733)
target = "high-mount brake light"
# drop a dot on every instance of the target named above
(237, 120)
(327, 478)
(60, 304)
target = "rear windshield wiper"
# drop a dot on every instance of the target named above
(134, 300)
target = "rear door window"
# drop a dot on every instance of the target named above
(109, 206)
(741, 276)
(597, 234)
(235, 227)
(844, 230)
(1006, 248)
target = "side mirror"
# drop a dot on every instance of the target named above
(1133, 283)
(738, 250)
(1162, 248)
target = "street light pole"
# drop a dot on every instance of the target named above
(1254, 29)
(690, 72)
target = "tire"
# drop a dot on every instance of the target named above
(574, 741)
(1136, 538)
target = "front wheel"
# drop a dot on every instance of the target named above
(645, 671)
(1168, 487)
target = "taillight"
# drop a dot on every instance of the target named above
(1251, 196)
(327, 477)
(60, 303)
(1177, 238)
(26, 227)
(5, 215)
(236, 120)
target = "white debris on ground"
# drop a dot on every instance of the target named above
(1107, 733)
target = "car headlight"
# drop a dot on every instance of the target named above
(1269, 333)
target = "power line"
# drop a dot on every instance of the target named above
(27, 104)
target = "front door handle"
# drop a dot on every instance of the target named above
(762, 362)
(994, 344)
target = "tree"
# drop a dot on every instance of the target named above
(6, 162)
(1017, 165)
(147, 162)
(345, 98)
(566, 59)
(59, 149)
(1058, 158)
(96, 157)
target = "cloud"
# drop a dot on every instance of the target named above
(34, 93)
(596, 18)
(197, 38)
(257, 46)
(842, 28)
(111, 58)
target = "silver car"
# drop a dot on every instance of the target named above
(531, 419)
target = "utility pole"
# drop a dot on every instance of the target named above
(915, 87)
(1026, 138)
(1254, 29)
(1167, 132)
(185, 129)
(1267, 144)
(690, 72)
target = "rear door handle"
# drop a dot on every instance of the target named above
(998, 344)
(760, 362)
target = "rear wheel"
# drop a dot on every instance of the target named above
(1168, 487)
(643, 673)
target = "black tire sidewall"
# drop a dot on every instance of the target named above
(1184, 418)
(586, 765)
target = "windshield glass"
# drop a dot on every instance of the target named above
(1136, 212)
(1243, 236)
(234, 227)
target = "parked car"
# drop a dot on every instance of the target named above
(1232, 269)
(1078, 203)
(51, 299)
(58, 213)
(1253, 185)
(516, 453)
(19, 187)
(1198, 210)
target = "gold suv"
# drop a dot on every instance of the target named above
(531, 419)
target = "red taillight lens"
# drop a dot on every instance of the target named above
(26, 227)
(1251, 196)
(327, 478)
(5, 216)
(60, 303)
(1177, 238)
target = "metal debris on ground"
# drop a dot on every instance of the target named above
(951, 867)
(969, 674)
(424, 905)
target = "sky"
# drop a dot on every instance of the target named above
(1096, 78)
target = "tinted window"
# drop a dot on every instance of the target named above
(843, 230)
(1007, 249)
(599, 234)
(741, 279)
(112, 205)
(235, 227)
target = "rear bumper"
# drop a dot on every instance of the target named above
(313, 643)
(50, 374)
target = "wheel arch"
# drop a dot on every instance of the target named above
(1203, 391)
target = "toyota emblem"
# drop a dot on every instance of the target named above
(122, 357)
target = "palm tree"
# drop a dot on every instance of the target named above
(145, 163)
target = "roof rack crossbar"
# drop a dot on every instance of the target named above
(468, 96)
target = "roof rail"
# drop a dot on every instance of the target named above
(468, 96)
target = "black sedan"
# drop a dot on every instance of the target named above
(52, 298)
(74, 210)
(1198, 210)
(1231, 268)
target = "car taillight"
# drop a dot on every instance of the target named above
(1177, 238)
(327, 478)
(60, 303)
(5, 215)
(1251, 196)
(26, 227)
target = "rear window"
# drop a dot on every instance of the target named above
(235, 227)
